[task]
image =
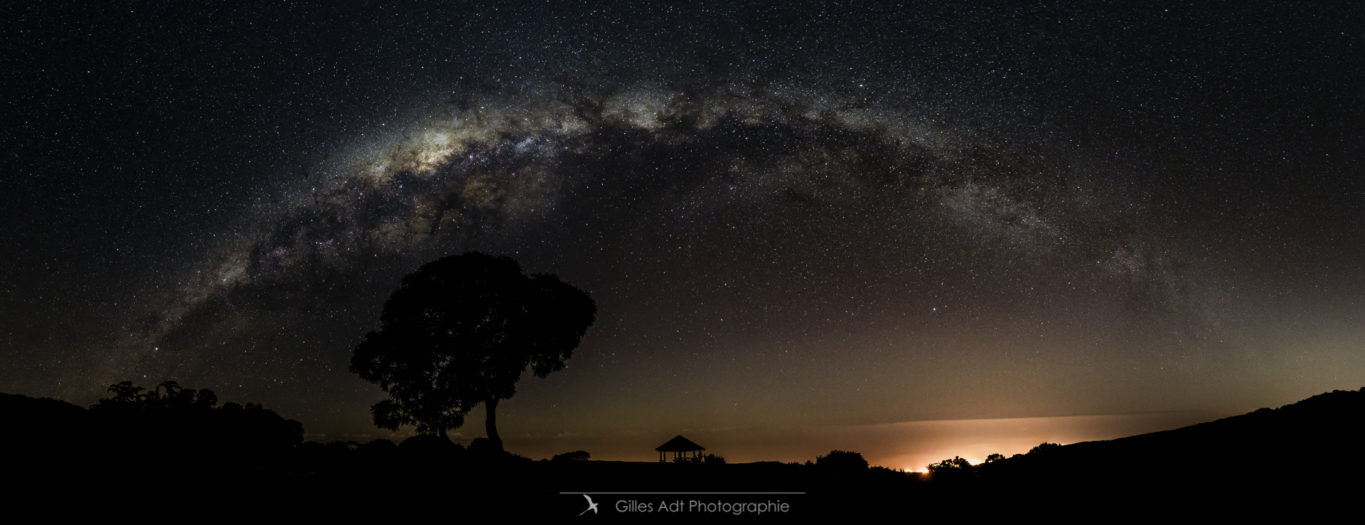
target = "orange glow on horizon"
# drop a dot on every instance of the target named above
(914, 444)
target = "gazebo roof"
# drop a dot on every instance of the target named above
(679, 444)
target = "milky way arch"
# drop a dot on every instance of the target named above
(788, 195)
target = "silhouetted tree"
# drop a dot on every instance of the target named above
(460, 331)
(957, 463)
(842, 460)
(145, 431)
(206, 398)
(124, 392)
(172, 388)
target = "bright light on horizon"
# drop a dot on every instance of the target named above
(915, 444)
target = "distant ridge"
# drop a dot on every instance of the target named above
(1304, 456)
(1310, 450)
(1326, 422)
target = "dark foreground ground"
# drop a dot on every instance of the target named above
(192, 460)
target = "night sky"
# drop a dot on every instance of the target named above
(794, 219)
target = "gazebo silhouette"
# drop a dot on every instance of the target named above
(683, 449)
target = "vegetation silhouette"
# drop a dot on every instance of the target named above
(461, 331)
(577, 455)
(842, 460)
(145, 436)
(171, 446)
(173, 424)
(948, 465)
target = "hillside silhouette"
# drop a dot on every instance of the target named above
(188, 446)
(145, 435)
(1307, 454)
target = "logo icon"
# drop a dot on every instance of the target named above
(591, 506)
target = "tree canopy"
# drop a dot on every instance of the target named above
(461, 330)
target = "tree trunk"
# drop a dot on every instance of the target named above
(491, 423)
